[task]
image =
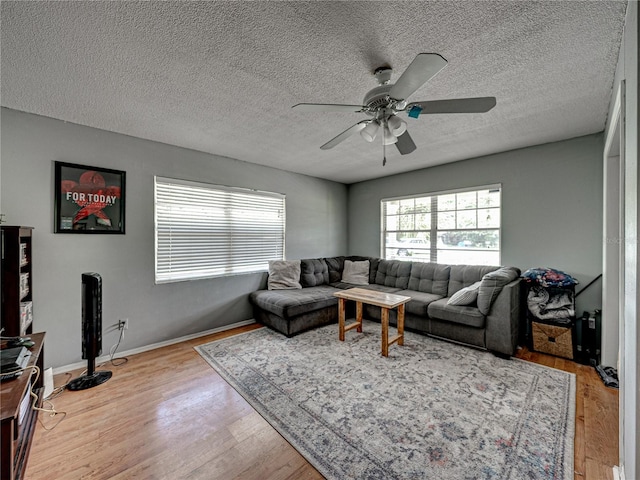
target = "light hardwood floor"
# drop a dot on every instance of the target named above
(596, 439)
(166, 414)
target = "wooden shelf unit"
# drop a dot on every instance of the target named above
(18, 417)
(17, 281)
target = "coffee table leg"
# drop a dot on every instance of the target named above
(341, 309)
(401, 324)
(359, 316)
(385, 332)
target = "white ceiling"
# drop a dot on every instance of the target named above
(221, 77)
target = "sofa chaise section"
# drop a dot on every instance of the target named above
(294, 311)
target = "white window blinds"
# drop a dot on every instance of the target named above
(204, 230)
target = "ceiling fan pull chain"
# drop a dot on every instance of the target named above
(384, 149)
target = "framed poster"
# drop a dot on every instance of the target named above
(88, 199)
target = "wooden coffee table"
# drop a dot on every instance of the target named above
(385, 301)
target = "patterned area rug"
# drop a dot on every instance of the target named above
(431, 410)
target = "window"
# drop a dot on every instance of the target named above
(456, 227)
(207, 230)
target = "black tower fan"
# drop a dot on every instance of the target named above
(91, 332)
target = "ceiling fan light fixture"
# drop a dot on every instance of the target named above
(389, 138)
(396, 125)
(370, 131)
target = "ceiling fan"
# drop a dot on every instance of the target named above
(384, 102)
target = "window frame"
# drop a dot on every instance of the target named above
(433, 230)
(225, 201)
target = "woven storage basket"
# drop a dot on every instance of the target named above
(552, 339)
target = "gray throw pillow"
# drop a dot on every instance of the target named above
(465, 296)
(284, 274)
(491, 286)
(356, 272)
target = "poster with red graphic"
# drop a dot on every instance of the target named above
(88, 199)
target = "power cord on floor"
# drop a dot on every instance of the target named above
(56, 392)
(112, 351)
(35, 370)
(116, 362)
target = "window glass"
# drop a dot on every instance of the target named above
(461, 227)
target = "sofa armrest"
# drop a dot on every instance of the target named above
(503, 320)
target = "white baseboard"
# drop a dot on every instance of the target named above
(618, 473)
(153, 346)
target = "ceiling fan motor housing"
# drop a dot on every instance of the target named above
(378, 98)
(379, 104)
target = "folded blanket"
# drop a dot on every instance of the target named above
(549, 277)
(547, 306)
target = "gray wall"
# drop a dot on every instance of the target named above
(316, 226)
(551, 206)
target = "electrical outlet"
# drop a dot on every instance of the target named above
(123, 324)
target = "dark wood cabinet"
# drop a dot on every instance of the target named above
(18, 417)
(17, 281)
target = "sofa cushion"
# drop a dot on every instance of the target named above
(284, 274)
(491, 285)
(419, 301)
(464, 275)
(464, 315)
(373, 265)
(356, 273)
(313, 272)
(429, 278)
(465, 296)
(393, 273)
(335, 265)
(290, 303)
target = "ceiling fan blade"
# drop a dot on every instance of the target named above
(459, 105)
(344, 135)
(326, 107)
(405, 144)
(423, 67)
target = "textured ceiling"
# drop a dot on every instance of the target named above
(221, 77)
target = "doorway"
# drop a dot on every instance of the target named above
(613, 254)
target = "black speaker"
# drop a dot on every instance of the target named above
(91, 333)
(588, 335)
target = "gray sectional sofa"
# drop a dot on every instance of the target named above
(490, 322)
